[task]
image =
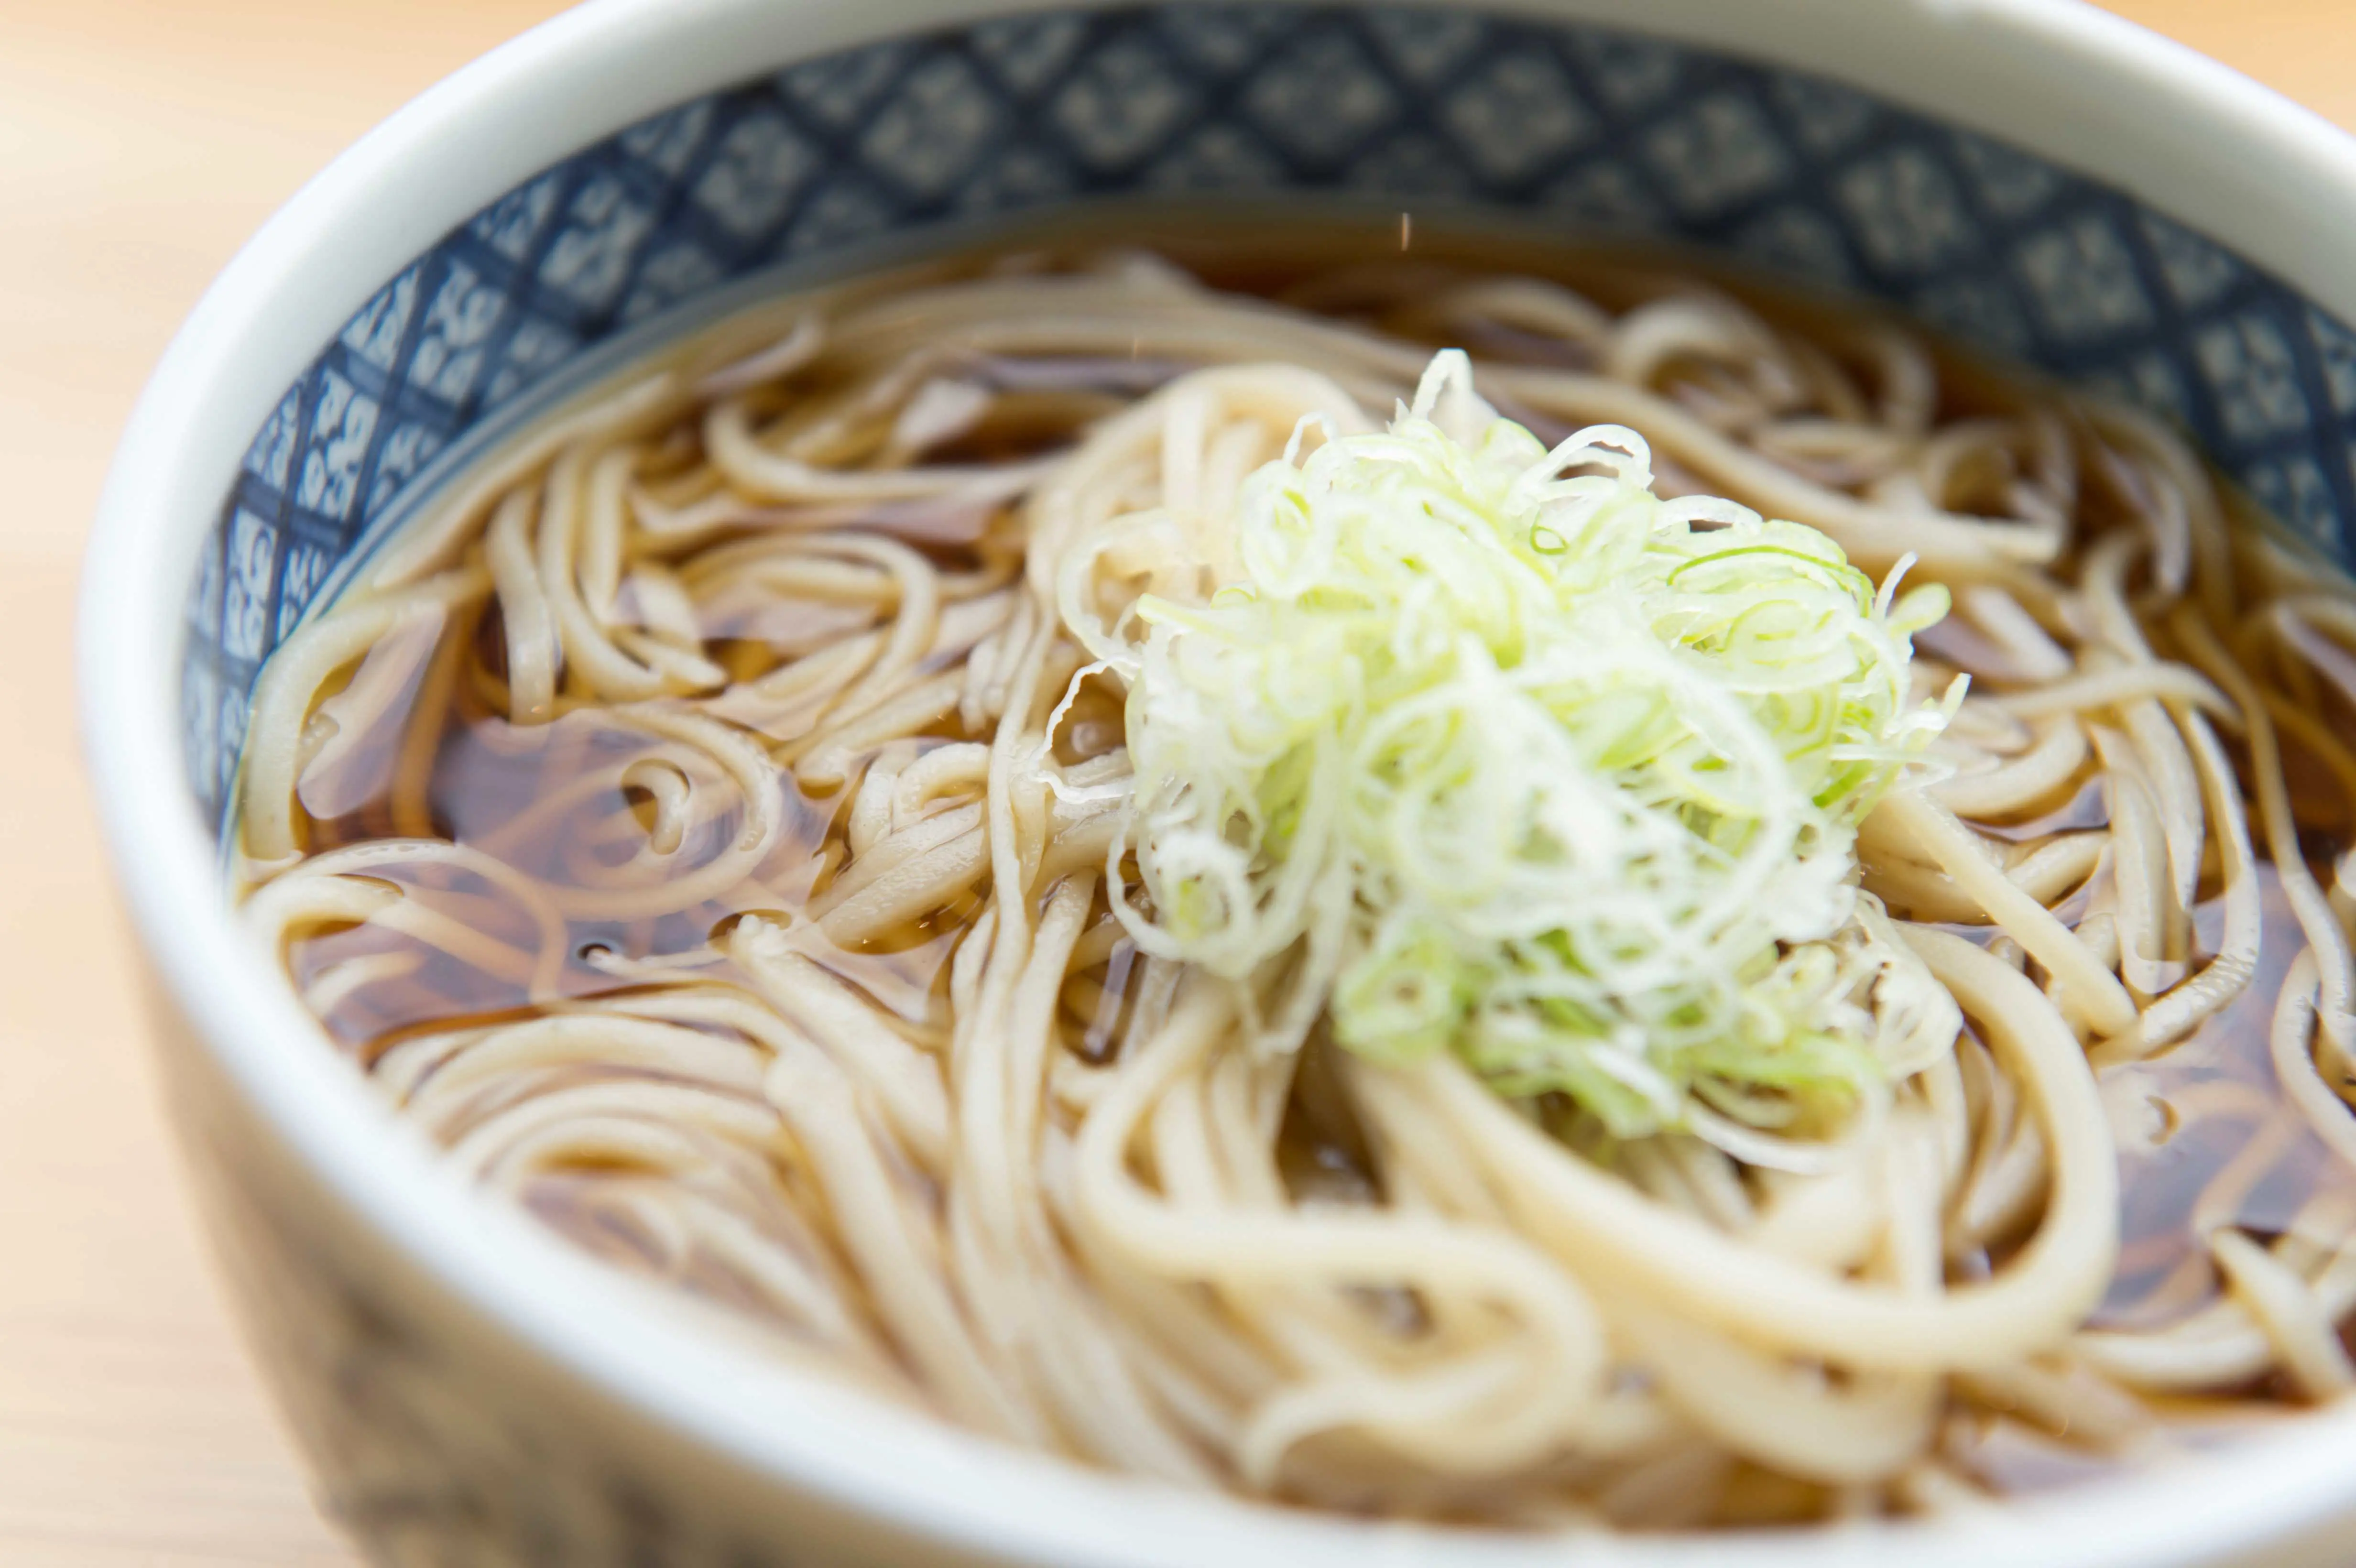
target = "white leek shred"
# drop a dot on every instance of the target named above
(1491, 749)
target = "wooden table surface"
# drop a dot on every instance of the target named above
(140, 142)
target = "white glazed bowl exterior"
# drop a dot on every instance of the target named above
(469, 1391)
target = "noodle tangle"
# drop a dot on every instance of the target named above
(711, 826)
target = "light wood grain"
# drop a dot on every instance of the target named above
(140, 141)
(139, 144)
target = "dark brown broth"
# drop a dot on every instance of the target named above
(487, 775)
(2170, 1156)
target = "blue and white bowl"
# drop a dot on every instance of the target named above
(2032, 176)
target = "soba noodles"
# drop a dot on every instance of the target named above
(712, 826)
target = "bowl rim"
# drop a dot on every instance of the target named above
(2082, 87)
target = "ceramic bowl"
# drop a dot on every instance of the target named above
(2037, 178)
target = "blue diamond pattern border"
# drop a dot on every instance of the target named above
(1594, 130)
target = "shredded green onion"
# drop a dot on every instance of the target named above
(1492, 751)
